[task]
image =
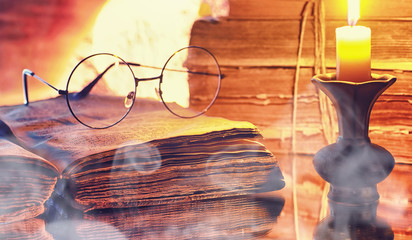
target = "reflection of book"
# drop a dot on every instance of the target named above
(33, 228)
(150, 158)
(243, 217)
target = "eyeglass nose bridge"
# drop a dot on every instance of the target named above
(147, 79)
(160, 77)
(129, 99)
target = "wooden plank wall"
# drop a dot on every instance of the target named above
(257, 47)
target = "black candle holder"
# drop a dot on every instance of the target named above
(353, 165)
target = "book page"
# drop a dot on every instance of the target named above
(26, 182)
(52, 132)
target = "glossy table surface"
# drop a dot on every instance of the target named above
(291, 213)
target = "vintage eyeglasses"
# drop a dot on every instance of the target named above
(193, 67)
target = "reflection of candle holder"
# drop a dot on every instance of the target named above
(353, 165)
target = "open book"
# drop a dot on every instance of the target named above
(150, 158)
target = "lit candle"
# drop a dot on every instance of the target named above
(353, 48)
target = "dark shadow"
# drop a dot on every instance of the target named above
(333, 228)
(353, 222)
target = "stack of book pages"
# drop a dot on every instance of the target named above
(150, 158)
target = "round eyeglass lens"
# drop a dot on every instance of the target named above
(101, 90)
(190, 82)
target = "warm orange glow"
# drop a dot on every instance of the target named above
(146, 32)
(353, 12)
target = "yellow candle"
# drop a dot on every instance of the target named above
(353, 48)
(353, 51)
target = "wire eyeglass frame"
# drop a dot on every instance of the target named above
(86, 90)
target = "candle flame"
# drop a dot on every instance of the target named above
(353, 11)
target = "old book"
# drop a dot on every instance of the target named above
(150, 158)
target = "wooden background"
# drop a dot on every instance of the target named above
(257, 45)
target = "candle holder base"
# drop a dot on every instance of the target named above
(353, 165)
(333, 229)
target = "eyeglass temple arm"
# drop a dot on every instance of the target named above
(174, 70)
(25, 88)
(86, 90)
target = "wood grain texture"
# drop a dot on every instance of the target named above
(334, 9)
(264, 96)
(275, 42)
(258, 62)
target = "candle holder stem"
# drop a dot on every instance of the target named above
(353, 165)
